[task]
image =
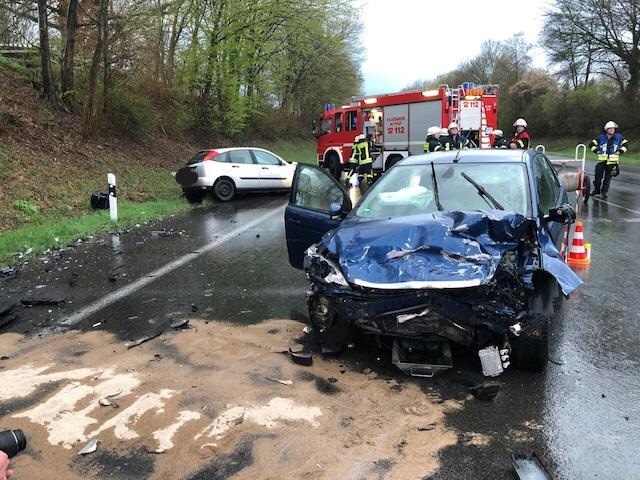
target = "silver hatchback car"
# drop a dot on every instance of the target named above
(226, 171)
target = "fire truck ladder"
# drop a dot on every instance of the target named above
(455, 105)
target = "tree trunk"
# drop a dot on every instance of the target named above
(48, 88)
(93, 106)
(66, 73)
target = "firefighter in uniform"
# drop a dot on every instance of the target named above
(361, 160)
(521, 139)
(432, 143)
(453, 140)
(499, 141)
(608, 146)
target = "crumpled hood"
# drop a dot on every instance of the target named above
(437, 250)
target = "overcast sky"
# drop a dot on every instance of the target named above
(408, 40)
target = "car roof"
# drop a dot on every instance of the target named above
(227, 149)
(471, 156)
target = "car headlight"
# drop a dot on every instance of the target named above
(322, 268)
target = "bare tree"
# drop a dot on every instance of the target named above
(597, 35)
(48, 88)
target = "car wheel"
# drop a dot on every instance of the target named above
(332, 163)
(224, 189)
(193, 196)
(531, 347)
(586, 188)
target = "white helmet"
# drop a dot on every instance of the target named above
(453, 125)
(444, 131)
(359, 138)
(521, 122)
(433, 130)
(498, 133)
(610, 124)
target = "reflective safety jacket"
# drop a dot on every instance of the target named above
(609, 148)
(522, 140)
(500, 142)
(360, 154)
(432, 144)
(454, 142)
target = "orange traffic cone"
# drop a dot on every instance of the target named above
(578, 254)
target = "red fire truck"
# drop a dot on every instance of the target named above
(398, 122)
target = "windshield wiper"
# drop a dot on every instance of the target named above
(482, 192)
(436, 195)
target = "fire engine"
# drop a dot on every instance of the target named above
(397, 123)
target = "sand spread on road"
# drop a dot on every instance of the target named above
(199, 396)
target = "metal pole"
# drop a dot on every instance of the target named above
(113, 199)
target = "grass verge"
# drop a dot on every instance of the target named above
(56, 233)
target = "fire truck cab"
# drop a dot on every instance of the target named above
(396, 123)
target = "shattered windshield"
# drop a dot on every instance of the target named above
(408, 190)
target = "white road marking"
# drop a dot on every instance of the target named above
(160, 272)
(632, 220)
(616, 205)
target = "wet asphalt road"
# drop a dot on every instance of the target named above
(582, 416)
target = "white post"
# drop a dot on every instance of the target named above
(113, 199)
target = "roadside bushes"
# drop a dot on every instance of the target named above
(130, 113)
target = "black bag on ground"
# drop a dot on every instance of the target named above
(99, 201)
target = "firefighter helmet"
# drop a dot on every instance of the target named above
(359, 138)
(521, 122)
(452, 125)
(444, 131)
(610, 124)
(498, 133)
(433, 130)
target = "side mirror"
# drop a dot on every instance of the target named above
(564, 214)
(335, 210)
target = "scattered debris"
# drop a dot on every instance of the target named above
(485, 391)
(145, 339)
(301, 358)
(166, 232)
(42, 301)
(366, 371)
(180, 323)
(332, 379)
(7, 271)
(528, 467)
(97, 324)
(90, 447)
(555, 362)
(194, 308)
(113, 277)
(307, 329)
(277, 380)
(149, 301)
(427, 428)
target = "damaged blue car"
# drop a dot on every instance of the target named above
(460, 246)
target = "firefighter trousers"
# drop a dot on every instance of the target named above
(603, 177)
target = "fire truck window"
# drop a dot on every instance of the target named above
(338, 122)
(325, 126)
(352, 120)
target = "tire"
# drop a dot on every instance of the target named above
(531, 348)
(193, 196)
(332, 164)
(224, 189)
(586, 188)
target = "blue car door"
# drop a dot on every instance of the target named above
(550, 194)
(317, 204)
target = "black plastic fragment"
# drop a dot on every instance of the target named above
(528, 467)
(301, 358)
(42, 301)
(485, 391)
